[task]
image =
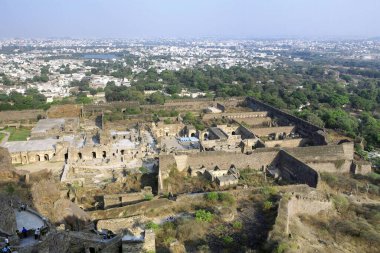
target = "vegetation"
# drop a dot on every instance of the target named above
(203, 215)
(18, 134)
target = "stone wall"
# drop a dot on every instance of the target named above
(310, 203)
(224, 160)
(64, 111)
(7, 116)
(265, 131)
(235, 115)
(296, 171)
(305, 128)
(287, 143)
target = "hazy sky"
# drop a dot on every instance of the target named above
(189, 18)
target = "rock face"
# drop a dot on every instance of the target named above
(70, 214)
(8, 217)
(7, 172)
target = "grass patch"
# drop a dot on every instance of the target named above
(18, 134)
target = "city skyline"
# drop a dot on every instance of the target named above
(223, 19)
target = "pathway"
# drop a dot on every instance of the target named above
(28, 220)
(6, 137)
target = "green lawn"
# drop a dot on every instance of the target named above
(1, 136)
(18, 134)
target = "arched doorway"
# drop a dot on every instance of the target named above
(94, 155)
(193, 135)
(46, 157)
(38, 158)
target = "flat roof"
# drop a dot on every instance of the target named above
(44, 125)
(31, 145)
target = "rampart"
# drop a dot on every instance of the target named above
(235, 115)
(6, 116)
(309, 202)
(296, 171)
(306, 128)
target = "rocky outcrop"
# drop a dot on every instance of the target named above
(70, 214)
(7, 172)
(8, 217)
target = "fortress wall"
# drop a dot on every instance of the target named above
(224, 160)
(294, 170)
(64, 111)
(254, 122)
(265, 131)
(20, 115)
(235, 115)
(341, 166)
(258, 105)
(290, 143)
(296, 205)
(320, 153)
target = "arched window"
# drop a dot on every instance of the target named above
(38, 158)
(46, 157)
(104, 154)
(79, 155)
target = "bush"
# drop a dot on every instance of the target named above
(143, 170)
(152, 225)
(212, 196)
(148, 196)
(282, 247)
(237, 225)
(341, 203)
(227, 240)
(269, 191)
(226, 198)
(203, 215)
(267, 205)
(329, 178)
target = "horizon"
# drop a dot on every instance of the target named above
(195, 19)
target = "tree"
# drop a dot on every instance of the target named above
(157, 98)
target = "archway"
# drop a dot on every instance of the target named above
(46, 157)
(38, 158)
(79, 156)
(205, 135)
(193, 135)
(104, 154)
(94, 155)
(233, 133)
(122, 152)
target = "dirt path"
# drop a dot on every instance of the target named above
(6, 137)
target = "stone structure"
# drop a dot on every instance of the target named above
(117, 200)
(299, 165)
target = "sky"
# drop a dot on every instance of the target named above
(190, 18)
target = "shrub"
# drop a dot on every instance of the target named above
(237, 225)
(168, 240)
(148, 196)
(226, 198)
(227, 240)
(203, 215)
(268, 191)
(212, 196)
(267, 205)
(282, 247)
(341, 203)
(143, 170)
(329, 178)
(152, 225)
